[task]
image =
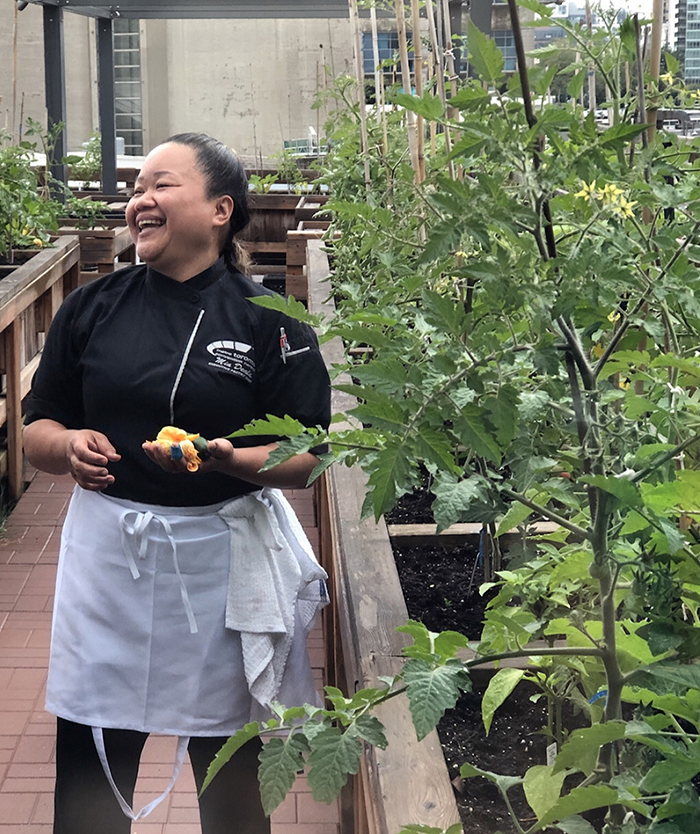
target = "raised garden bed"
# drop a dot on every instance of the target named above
(30, 295)
(409, 781)
(377, 584)
(101, 249)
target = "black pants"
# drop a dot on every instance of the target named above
(85, 804)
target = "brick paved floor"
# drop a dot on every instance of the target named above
(28, 557)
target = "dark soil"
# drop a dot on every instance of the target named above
(441, 588)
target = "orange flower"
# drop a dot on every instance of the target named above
(178, 444)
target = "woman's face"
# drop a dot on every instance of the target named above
(175, 226)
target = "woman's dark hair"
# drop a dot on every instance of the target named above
(224, 174)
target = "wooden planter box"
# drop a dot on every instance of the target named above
(102, 249)
(409, 781)
(296, 275)
(30, 295)
(309, 205)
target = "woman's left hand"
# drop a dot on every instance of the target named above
(162, 458)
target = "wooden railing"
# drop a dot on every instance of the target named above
(408, 782)
(29, 298)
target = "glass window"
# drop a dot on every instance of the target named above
(127, 84)
(388, 48)
(506, 43)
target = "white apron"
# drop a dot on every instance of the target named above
(166, 619)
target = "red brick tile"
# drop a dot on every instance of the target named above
(304, 828)
(15, 807)
(19, 770)
(179, 815)
(8, 744)
(142, 797)
(13, 723)
(183, 799)
(287, 811)
(180, 828)
(32, 602)
(15, 637)
(146, 827)
(43, 810)
(28, 679)
(33, 828)
(37, 749)
(9, 704)
(27, 786)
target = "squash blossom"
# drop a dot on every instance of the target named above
(179, 444)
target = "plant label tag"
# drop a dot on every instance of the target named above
(551, 754)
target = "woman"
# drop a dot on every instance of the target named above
(183, 598)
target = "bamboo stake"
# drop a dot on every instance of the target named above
(355, 20)
(14, 73)
(439, 77)
(591, 69)
(655, 59)
(433, 126)
(450, 54)
(418, 73)
(378, 79)
(406, 80)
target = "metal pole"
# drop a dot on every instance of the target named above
(55, 85)
(105, 87)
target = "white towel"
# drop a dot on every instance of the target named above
(274, 574)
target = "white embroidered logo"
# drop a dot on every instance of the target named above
(232, 358)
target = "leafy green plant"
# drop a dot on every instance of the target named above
(88, 166)
(288, 170)
(530, 327)
(27, 213)
(262, 185)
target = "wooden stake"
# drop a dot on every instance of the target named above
(450, 54)
(439, 77)
(406, 80)
(359, 72)
(655, 59)
(591, 69)
(14, 74)
(378, 79)
(418, 72)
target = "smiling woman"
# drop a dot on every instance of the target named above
(173, 217)
(170, 614)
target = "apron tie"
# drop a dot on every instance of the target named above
(98, 738)
(137, 532)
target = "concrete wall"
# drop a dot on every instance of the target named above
(29, 79)
(251, 83)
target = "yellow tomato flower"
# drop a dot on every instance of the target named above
(597, 350)
(613, 316)
(587, 192)
(611, 194)
(171, 438)
(38, 243)
(667, 78)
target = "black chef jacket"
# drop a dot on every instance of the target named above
(134, 351)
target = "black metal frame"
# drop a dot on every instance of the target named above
(106, 10)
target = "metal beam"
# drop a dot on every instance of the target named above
(105, 86)
(241, 9)
(55, 85)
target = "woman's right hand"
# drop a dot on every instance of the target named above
(88, 454)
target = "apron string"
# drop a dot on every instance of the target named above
(98, 738)
(138, 531)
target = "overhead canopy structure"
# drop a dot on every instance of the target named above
(105, 11)
(142, 9)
